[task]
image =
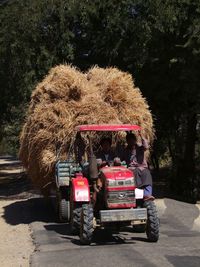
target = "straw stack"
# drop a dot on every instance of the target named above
(67, 98)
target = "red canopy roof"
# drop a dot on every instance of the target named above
(108, 127)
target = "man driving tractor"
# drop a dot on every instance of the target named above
(105, 154)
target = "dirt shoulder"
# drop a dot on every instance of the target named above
(16, 243)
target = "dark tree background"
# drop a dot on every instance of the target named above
(157, 41)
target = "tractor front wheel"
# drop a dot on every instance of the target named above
(152, 226)
(75, 219)
(86, 227)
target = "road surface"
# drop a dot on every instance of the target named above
(179, 243)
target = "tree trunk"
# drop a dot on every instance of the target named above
(188, 172)
(189, 155)
(171, 151)
(155, 162)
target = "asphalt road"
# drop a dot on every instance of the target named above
(179, 243)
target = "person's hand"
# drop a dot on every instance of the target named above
(104, 163)
(97, 185)
(117, 161)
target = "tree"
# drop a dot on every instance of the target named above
(172, 71)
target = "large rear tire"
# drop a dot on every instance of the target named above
(62, 206)
(86, 228)
(64, 210)
(152, 226)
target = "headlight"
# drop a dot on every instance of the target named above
(130, 181)
(111, 182)
(125, 182)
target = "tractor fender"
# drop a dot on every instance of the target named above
(80, 189)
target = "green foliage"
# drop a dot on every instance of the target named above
(34, 37)
(11, 129)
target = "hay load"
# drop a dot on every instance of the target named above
(67, 98)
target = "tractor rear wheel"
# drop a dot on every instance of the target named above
(152, 226)
(86, 228)
(62, 205)
(64, 210)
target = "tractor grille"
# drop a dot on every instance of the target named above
(125, 196)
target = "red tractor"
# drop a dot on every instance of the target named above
(118, 204)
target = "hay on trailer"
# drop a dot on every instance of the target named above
(67, 98)
(118, 90)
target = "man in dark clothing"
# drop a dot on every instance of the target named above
(135, 160)
(105, 154)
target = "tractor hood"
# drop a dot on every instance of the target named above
(116, 173)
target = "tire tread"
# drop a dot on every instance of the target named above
(152, 228)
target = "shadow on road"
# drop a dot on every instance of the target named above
(28, 211)
(101, 237)
(180, 261)
(14, 186)
(7, 157)
(14, 183)
(10, 165)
